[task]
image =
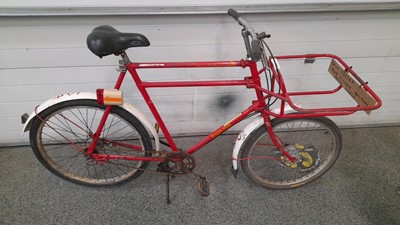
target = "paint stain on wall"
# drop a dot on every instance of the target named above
(225, 103)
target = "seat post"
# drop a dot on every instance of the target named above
(125, 57)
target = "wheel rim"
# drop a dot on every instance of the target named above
(65, 135)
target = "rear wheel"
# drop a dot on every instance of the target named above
(314, 142)
(61, 135)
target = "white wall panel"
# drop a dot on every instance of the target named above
(43, 57)
(71, 3)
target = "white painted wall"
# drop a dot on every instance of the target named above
(41, 57)
(62, 3)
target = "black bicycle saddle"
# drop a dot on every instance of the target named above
(106, 40)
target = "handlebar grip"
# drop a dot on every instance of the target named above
(256, 50)
(234, 14)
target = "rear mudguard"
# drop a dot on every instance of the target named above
(245, 133)
(92, 96)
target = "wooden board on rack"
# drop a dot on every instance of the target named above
(351, 85)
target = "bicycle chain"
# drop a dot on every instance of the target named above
(165, 154)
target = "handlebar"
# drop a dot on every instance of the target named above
(233, 13)
(254, 50)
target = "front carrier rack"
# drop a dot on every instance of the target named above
(363, 95)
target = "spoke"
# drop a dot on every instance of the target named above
(67, 124)
(51, 138)
(64, 158)
(315, 126)
(108, 129)
(53, 149)
(94, 116)
(122, 138)
(119, 129)
(95, 171)
(117, 166)
(69, 142)
(83, 167)
(83, 121)
(47, 124)
(87, 120)
(78, 119)
(70, 129)
(70, 166)
(76, 134)
(292, 126)
(112, 172)
(57, 127)
(88, 171)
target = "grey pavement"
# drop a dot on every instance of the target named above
(361, 188)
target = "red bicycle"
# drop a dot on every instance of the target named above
(98, 139)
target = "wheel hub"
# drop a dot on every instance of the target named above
(307, 158)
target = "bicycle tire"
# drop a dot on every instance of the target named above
(316, 143)
(60, 135)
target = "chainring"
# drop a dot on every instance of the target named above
(178, 163)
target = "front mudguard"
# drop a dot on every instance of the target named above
(242, 137)
(245, 133)
(92, 96)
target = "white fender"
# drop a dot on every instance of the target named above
(89, 95)
(244, 134)
(242, 137)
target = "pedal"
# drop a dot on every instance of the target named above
(203, 186)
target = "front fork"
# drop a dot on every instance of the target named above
(279, 144)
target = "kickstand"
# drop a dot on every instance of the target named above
(168, 180)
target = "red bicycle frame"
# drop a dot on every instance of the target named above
(252, 82)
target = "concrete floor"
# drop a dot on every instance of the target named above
(361, 188)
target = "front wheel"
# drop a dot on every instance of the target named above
(314, 142)
(60, 137)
